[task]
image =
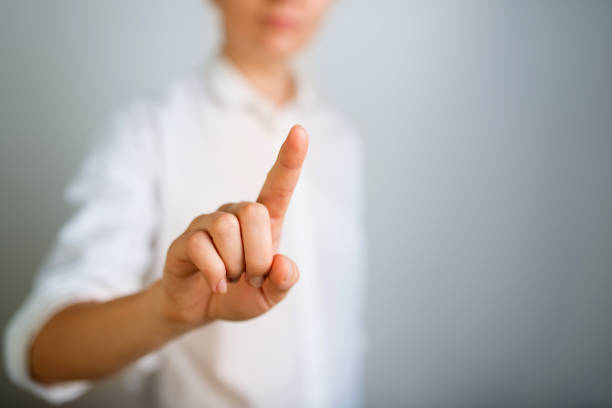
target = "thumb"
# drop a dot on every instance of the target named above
(283, 275)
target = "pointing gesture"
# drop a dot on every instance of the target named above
(282, 178)
(239, 237)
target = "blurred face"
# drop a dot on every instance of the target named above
(270, 28)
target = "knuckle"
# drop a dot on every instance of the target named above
(283, 192)
(224, 224)
(225, 207)
(172, 248)
(253, 210)
(193, 241)
(197, 221)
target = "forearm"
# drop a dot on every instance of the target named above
(95, 339)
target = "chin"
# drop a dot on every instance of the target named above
(281, 46)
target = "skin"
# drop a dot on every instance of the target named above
(262, 35)
(226, 264)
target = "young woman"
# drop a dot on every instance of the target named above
(174, 260)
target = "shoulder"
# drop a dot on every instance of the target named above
(131, 136)
(183, 95)
(143, 121)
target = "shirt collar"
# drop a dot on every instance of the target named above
(231, 88)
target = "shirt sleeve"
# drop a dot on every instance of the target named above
(345, 259)
(104, 249)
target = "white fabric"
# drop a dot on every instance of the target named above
(209, 139)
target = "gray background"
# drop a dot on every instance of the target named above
(489, 133)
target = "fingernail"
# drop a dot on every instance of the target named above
(256, 281)
(289, 273)
(234, 279)
(222, 286)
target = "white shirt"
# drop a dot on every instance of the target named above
(209, 139)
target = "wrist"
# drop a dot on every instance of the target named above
(171, 322)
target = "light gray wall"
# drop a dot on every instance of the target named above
(489, 133)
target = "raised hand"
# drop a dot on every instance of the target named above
(237, 244)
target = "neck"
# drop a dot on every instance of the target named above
(272, 77)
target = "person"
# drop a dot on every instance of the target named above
(195, 219)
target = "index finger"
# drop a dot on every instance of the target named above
(283, 176)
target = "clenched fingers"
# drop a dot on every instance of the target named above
(211, 244)
(256, 235)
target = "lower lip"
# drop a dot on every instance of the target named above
(280, 23)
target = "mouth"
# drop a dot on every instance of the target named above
(280, 22)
